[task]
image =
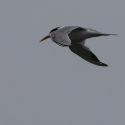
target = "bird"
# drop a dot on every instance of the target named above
(74, 37)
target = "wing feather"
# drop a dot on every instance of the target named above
(85, 53)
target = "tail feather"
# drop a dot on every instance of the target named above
(108, 34)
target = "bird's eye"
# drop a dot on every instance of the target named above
(54, 29)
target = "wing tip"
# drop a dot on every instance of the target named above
(103, 64)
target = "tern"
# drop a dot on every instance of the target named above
(74, 37)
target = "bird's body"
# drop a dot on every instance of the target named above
(74, 38)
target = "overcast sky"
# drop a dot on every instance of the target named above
(45, 84)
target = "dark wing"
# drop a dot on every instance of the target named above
(85, 53)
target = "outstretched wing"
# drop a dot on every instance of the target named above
(85, 53)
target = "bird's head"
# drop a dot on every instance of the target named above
(48, 36)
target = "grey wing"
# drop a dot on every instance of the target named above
(85, 53)
(61, 35)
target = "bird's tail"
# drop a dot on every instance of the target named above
(104, 34)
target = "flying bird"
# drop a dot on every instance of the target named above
(74, 38)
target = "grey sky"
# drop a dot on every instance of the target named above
(45, 84)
